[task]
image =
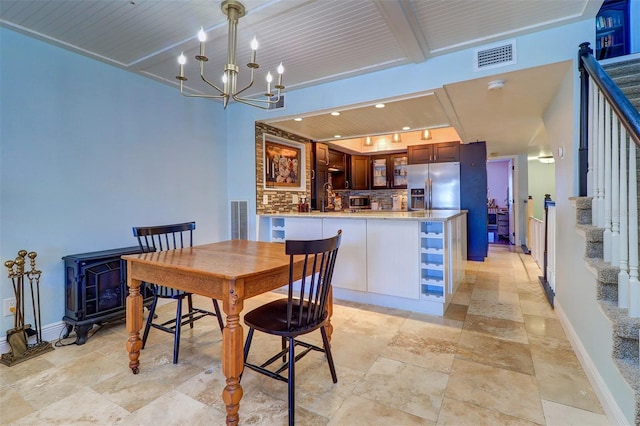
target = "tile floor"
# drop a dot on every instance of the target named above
(498, 357)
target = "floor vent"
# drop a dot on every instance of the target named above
(239, 222)
(496, 55)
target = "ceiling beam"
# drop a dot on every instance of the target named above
(402, 22)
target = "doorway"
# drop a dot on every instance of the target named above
(500, 201)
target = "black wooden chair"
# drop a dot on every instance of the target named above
(303, 311)
(170, 237)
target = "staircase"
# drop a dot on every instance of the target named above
(627, 76)
(625, 329)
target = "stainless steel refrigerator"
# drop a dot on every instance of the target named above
(433, 186)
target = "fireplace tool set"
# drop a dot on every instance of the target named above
(18, 336)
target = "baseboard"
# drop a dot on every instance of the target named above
(50, 333)
(611, 408)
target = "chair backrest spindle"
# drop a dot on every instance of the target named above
(310, 301)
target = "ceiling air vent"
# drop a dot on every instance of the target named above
(496, 55)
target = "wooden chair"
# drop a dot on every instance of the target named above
(303, 311)
(170, 237)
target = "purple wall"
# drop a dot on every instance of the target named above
(498, 181)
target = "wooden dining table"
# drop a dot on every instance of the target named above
(229, 271)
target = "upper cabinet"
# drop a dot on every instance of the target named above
(445, 152)
(359, 172)
(612, 29)
(389, 171)
(320, 172)
(338, 169)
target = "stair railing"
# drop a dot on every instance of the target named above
(609, 133)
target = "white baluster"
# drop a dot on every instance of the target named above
(591, 131)
(606, 236)
(615, 192)
(623, 275)
(600, 160)
(634, 285)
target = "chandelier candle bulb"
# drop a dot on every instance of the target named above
(202, 36)
(269, 80)
(254, 50)
(182, 60)
(279, 86)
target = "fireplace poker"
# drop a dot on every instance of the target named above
(34, 274)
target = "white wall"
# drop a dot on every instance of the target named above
(542, 180)
(88, 151)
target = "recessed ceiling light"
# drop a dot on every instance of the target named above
(335, 113)
(380, 105)
(297, 119)
(406, 128)
(337, 136)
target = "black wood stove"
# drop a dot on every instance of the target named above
(96, 289)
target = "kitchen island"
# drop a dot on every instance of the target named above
(411, 260)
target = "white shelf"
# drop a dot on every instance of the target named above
(432, 266)
(431, 235)
(432, 297)
(431, 250)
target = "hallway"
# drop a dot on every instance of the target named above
(499, 357)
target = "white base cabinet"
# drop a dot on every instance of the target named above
(392, 264)
(351, 265)
(415, 265)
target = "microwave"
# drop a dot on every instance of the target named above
(359, 202)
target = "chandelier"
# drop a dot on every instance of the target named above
(234, 10)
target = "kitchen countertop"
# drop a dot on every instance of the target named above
(420, 215)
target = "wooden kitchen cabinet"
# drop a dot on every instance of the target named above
(359, 172)
(320, 173)
(389, 171)
(444, 152)
(338, 169)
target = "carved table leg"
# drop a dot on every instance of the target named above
(232, 355)
(134, 322)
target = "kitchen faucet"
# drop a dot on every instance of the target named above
(326, 186)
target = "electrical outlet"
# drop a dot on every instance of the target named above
(294, 198)
(265, 199)
(9, 306)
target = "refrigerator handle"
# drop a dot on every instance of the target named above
(430, 193)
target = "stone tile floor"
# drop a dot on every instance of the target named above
(498, 357)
